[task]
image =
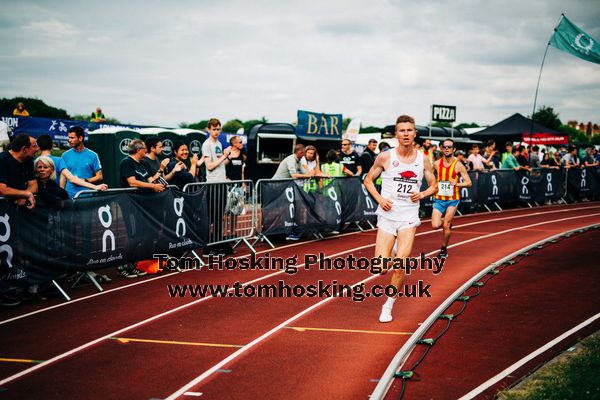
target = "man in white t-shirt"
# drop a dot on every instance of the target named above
(402, 169)
(478, 161)
(215, 160)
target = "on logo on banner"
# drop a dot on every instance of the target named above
(289, 195)
(4, 237)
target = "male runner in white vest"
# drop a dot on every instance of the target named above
(402, 169)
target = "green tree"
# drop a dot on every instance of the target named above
(370, 129)
(546, 116)
(464, 125)
(195, 125)
(575, 135)
(251, 122)
(232, 126)
(596, 138)
(345, 123)
(35, 107)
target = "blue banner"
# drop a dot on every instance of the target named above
(313, 126)
(57, 128)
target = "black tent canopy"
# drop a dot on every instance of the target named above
(517, 128)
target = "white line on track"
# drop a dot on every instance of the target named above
(243, 349)
(485, 385)
(74, 301)
(264, 336)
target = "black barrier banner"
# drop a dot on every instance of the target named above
(467, 195)
(583, 183)
(498, 186)
(357, 203)
(548, 185)
(293, 207)
(288, 208)
(525, 185)
(98, 231)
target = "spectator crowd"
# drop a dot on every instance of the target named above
(31, 175)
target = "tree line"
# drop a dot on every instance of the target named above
(545, 115)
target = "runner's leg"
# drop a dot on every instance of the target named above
(450, 211)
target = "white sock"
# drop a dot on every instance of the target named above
(389, 303)
(386, 310)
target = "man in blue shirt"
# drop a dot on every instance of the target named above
(80, 161)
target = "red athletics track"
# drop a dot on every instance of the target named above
(338, 354)
(518, 311)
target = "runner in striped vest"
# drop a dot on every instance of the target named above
(449, 171)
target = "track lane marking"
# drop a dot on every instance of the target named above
(21, 360)
(304, 329)
(277, 328)
(136, 340)
(501, 375)
(74, 301)
(251, 344)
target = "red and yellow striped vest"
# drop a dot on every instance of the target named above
(448, 174)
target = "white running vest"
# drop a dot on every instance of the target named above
(397, 182)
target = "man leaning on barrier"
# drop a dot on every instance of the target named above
(291, 168)
(135, 175)
(17, 181)
(17, 175)
(511, 161)
(570, 160)
(79, 161)
(155, 167)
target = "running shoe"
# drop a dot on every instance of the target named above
(126, 271)
(7, 300)
(386, 314)
(444, 253)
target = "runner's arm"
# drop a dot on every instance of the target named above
(373, 174)
(431, 181)
(462, 171)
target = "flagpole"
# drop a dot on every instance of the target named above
(538, 82)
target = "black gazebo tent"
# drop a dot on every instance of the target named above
(517, 128)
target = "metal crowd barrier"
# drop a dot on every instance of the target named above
(9, 251)
(234, 212)
(231, 211)
(302, 183)
(258, 207)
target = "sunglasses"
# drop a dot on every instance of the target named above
(447, 147)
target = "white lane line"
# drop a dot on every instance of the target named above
(264, 336)
(184, 306)
(73, 301)
(485, 385)
(18, 317)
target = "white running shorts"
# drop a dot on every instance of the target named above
(392, 227)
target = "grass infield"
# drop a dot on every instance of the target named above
(572, 375)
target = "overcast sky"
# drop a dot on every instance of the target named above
(162, 63)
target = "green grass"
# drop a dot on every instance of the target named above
(576, 377)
